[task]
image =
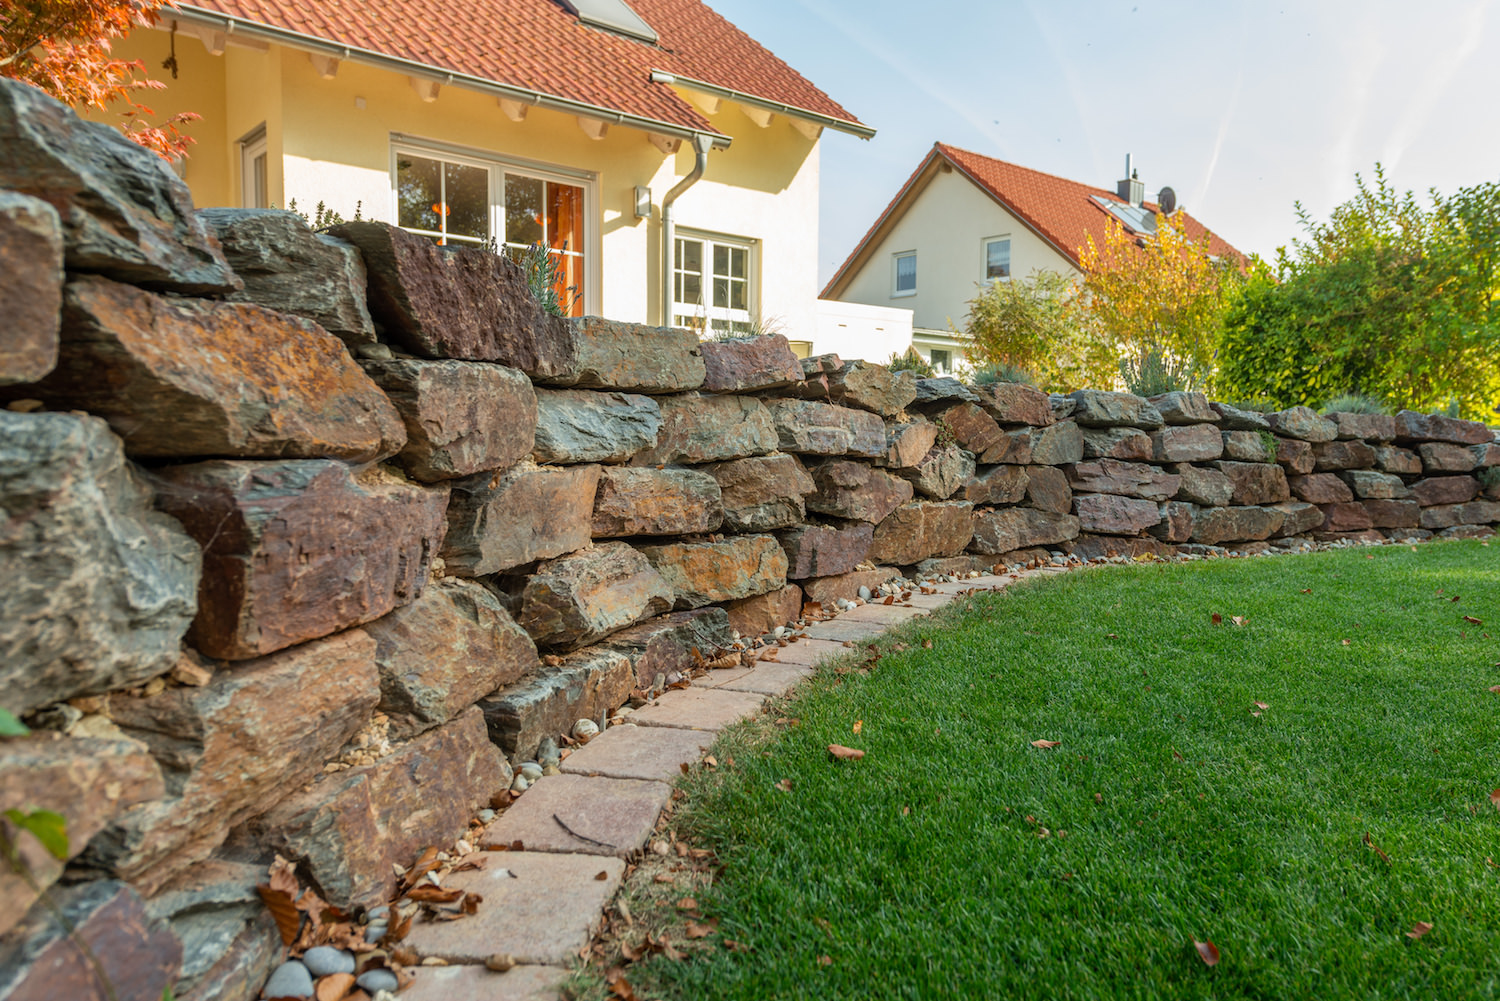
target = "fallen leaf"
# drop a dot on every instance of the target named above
(1344, 642)
(1495, 798)
(1473, 621)
(696, 930)
(1495, 689)
(1261, 705)
(825, 960)
(1208, 952)
(890, 599)
(283, 911)
(859, 724)
(711, 761)
(1045, 745)
(1098, 797)
(1370, 843)
(845, 753)
(927, 644)
(734, 946)
(433, 895)
(1307, 590)
(1238, 620)
(1418, 930)
(785, 785)
(601, 875)
(687, 904)
(334, 986)
(1217, 619)
(905, 811)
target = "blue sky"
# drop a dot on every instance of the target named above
(1242, 107)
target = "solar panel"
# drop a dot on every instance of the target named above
(612, 15)
(1137, 218)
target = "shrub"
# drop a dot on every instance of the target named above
(1354, 403)
(545, 278)
(913, 363)
(988, 375)
(1038, 325)
(1153, 372)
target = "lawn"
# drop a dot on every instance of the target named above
(1301, 790)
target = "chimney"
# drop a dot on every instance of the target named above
(1130, 189)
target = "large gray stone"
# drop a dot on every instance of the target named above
(458, 302)
(1411, 426)
(1186, 443)
(299, 549)
(942, 472)
(1130, 479)
(1212, 526)
(631, 357)
(31, 258)
(1234, 419)
(287, 267)
(185, 378)
(855, 490)
(125, 214)
(745, 364)
(1302, 423)
(1181, 408)
(1245, 446)
(1016, 403)
(1370, 485)
(921, 530)
(1207, 487)
(861, 384)
(99, 588)
(1108, 514)
(444, 652)
(762, 493)
(706, 573)
(674, 644)
(1367, 427)
(907, 443)
(642, 501)
(696, 428)
(1444, 457)
(1007, 529)
(825, 429)
(1100, 408)
(1255, 482)
(526, 513)
(942, 390)
(1127, 444)
(1000, 485)
(1058, 445)
(461, 417)
(547, 704)
(581, 598)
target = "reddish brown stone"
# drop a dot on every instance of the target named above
(704, 573)
(762, 493)
(645, 501)
(1130, 479)
(825, 550)
(697, 429)
(1480, 512)
(1057, 445)
(1320, 488)
(1108, 514)
(458, 302)
(1349, 517)
(31, 258)
(1016, 403)
(297, 550)
(1295, 456)
(1047, 489)
(584, 596)
(548, 703)
(1438, 457)
(526, 513)
(1486, 455)
(444, 652)
(1412, 426)
(747, 364)
(1207, 487)
(1397, 460)
(1246, 446)
(941, 472)
(1299, 519)
(1007, 529)
(40, 959)
(1127, 444)
(89, 782)
(236, 746)
(906, 444)
(1186, 443)
(824, 429)
(1444, 490)
(861, 384)
(1015, 447)
(350, 828)
(1176, 523)
(1393, 513)
(827, 590)
(1255, 482)
(461, 417)
(1002, 485)
(1212, 526)
(969, 426)
(1331, 455)
(1182, 408)
(186, 378)
(1441, 516)
(1302, 423)
(855, 490)
(609, 354)
(764, 612)
(922, 529)
(667, 648)
(1367, 427)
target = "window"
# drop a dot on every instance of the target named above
(255, 179)
(906, 274)
(997, 257)
(461, 200)
(941, 361)
(713, 285)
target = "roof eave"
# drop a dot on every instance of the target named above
(535, 98)
(853, 128)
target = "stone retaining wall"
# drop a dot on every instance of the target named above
(309, 538)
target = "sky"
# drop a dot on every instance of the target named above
(1243, 107)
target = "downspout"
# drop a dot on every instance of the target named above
(702, 143)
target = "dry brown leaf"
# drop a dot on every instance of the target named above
(711, 762)
(1261, 705)
(785, 785)
(1370, 843)
(686, 904)
(665, 877)
(1418, 930)
(428, 894)
(927, 644)
(1238, 620)
(1208, 952)
(859, 724)
(334, 986)
(1307, 590)
(1473, 621)
(890, 599)
(1495, 798)
(825, 960)
(1046, 745)
(1216, 619)
(845, 753)
(283, 911)
(1098, 797)
(1344, 642)
(696, 930)
(734, 946)
(1495, 689)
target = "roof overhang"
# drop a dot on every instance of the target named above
(233, 26)
(740, 97)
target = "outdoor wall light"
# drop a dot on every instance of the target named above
(642, 202)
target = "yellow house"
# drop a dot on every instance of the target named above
(609, 133)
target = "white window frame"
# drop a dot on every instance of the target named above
(896, 291)
(702, 317)
(254, 147)
(984, 258)
(498, 166)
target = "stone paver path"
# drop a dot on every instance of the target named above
(543, 904)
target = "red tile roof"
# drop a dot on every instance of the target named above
(539, 45)
(1060, 211)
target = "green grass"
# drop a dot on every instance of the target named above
(920, 874)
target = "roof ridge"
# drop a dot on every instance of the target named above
(1030, 170)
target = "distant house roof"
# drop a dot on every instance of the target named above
(1064, 213)
(541, 46)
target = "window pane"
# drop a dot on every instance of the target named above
(418, 192)
(262, 183)
(737, 258)
(523, 209)
(690, 255)
(564, 217)
(721, 259)
(997, 259)
(468, 208)
(906, 273)
(721, 292)
(737, 295)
